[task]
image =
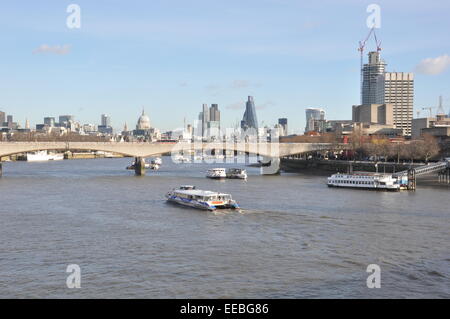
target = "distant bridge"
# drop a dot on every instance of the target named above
(145, 149)
(271, 152)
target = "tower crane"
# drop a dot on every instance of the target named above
(362, 45)
(440, 110)
(430, 109)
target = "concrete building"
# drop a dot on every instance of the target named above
(105, 129)
(50, 121)
(370, 73)
(335, 125)
(430, 125)
(9, 123)
(397, 88)
(369, 129)
(105, 120)
(89, 129)
(373, 114)
(283, 126)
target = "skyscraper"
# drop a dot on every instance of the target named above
(214, 113)
(214, 121)
(397, 88)
(205, 119)
(65, 120)
(315, 120)
(2, 118)
(249, 119)
(105, 120)
(370, 73)
(283, 122)
(50, 121)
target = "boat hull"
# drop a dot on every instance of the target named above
(366, 188)
(199, 205)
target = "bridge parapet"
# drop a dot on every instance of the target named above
(144, 149)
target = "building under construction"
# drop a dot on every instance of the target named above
(381, 87)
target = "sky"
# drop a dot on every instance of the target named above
(171, 56)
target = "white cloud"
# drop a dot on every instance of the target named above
(264, 105)
(240, 84)
(57, 49)
(433, 66)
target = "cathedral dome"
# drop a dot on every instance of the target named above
(143, 122)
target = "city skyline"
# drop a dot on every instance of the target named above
(156, 57)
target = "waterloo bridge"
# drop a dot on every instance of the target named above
(270, 152)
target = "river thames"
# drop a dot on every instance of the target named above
(294, 238)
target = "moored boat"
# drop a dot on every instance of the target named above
(364, 180)
(237, 173)
(216, 173)
(154, 166)
(189, 196)
(157, 161)
(40, 156)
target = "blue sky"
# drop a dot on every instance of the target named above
(171, 56)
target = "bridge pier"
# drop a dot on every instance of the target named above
(412, 179)
(270, 165)
(139, 166)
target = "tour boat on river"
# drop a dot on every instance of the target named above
(238, 173)
(152, 165)
(216, 173)
(361, 180)
(188, 195)
(40, 156)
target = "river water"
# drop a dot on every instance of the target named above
(294, 238)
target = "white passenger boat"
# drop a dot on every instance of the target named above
(188, 195)
(40, 156)
(157, 161)
(375, 181)
(155, 166)
(238, 173)
(216, 173)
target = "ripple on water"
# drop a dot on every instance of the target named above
(293, 238)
